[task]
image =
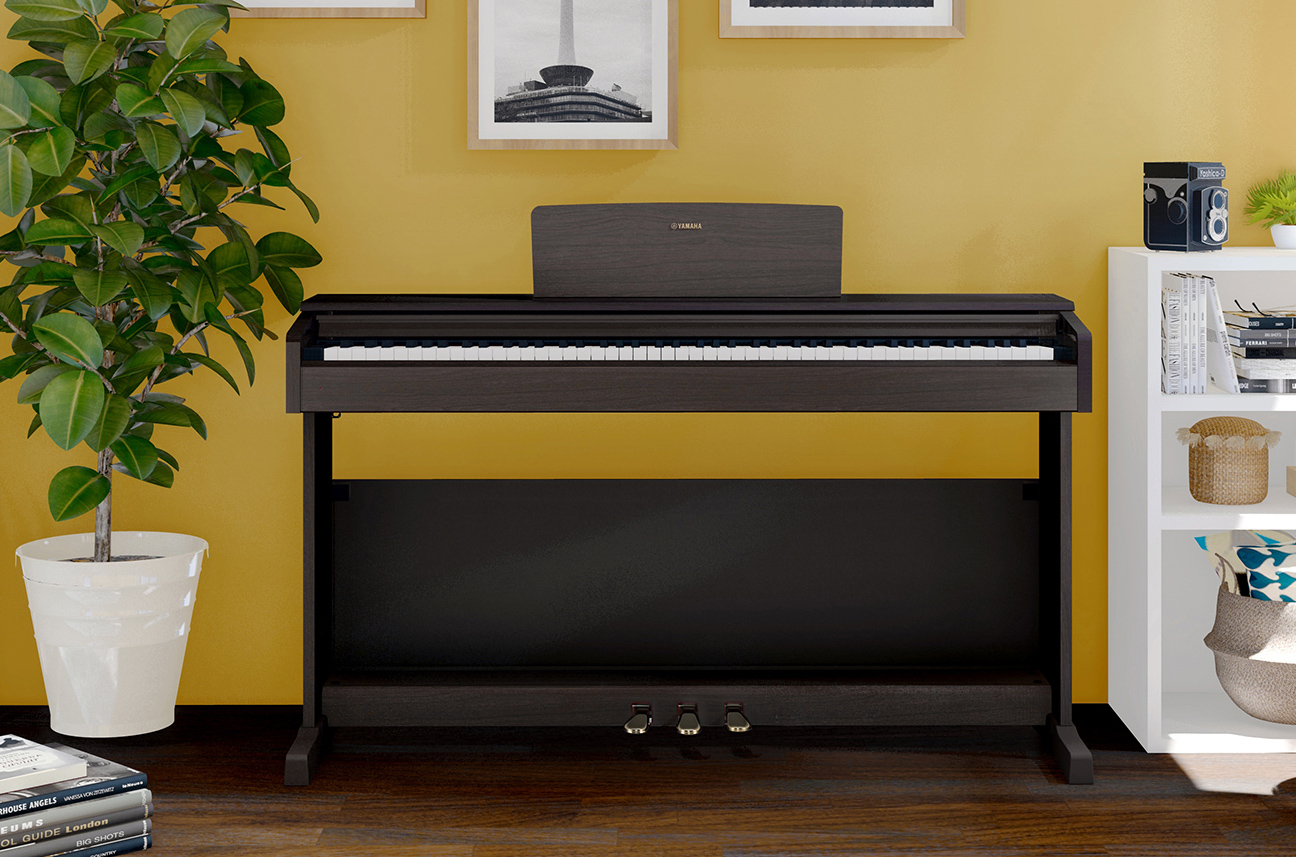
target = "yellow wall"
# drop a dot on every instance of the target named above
(1008, 161)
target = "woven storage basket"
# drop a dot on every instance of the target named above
(1228, 460)
(1254, 642)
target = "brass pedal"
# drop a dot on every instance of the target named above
(688, 723)
(639, 721)
(734, 720)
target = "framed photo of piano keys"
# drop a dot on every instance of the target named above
(843, 19)
(573, 74)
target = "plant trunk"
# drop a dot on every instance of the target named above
(103, 512)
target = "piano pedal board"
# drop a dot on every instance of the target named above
(686, 722)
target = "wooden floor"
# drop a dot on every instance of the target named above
(217, 775)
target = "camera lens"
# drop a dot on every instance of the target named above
(1177, 210)
(1218, 199)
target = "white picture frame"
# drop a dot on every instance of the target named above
(332, 9)
(844, 19)
(522, 39)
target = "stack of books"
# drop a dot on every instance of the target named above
(57, 800)
(1263, 348)
(1186, 313)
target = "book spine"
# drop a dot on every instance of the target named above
(1202, 309)
(88, 839)
(1260, 322)
(41, 832)
(100, 806)
(1172, 380)
(1190, 332)
(1278, 338)
(1265, 385)
(1250, 352)
(72, 795)
(1219, 360)
(123, 846)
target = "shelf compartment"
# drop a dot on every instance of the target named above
(1179, 511)
(1211, 723)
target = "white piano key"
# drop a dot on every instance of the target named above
(906, 352)
(793, 353)
(331, 352)
(709, 353)
(584, 353)
(822, 352)
(781, 352)
(836, 352)
(764, 352)
(528, 354)
(496, 353)
(470, 353)
(512, 353)
(626, 352)
(962, 352)
(920, 352)
(978, 352)
(1019, 352)
(415, 352)
(668, 352)
(456, 353)
(1046, 352)
(725, 353)
(640, 352)
(372, 352)
(400, 352)
(1002, 352)
(1035, 352)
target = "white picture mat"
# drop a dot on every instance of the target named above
(939, 15)
(328, 4)
(489, 129)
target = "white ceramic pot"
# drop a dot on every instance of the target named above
(111, 636)
(1284, 236)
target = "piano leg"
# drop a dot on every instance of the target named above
(317, 589)
(1055, 592)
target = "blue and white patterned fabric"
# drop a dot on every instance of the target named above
(1267, 559)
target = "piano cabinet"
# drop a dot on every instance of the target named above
(1034, 694)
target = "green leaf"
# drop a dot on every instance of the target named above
(44, 100)
(286, 250)
(195, 292)
(161, 475)
(15, 106)
(275, 149)
(244, 167)
(145, 360)
(45, 188)
(84, 101)
(70, 406)
(159, 146)
(168, 458)
(76, 490)
(190, 29)
(230, 263)
(70, 337)
(44, 10)
(262, 104)
(99, 287)
(129, 177)
(137, 455)
(215, 367)
(186, 110)
(161, 70)
(286, 285)
(147, 27)
(207, 65)
(154, 296)
(15, 180)
(74, 207)
(94, 7)
(123, 236)
(53, 32)
(51, 151)
(114, 419)
(246, 354)
(135, 101)
(86, 59)
(172, 414)
(57, 231)
(34, 384)
(13, 364)
(306, 201)
(35, 425)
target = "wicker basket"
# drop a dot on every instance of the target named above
(1228, 460)
(1254, 643)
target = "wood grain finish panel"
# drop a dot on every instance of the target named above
(724, 250)
(604, 387)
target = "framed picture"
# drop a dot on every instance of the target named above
(572, 74)
(333, 9)
(842, 19)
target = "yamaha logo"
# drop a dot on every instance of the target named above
(686, 226)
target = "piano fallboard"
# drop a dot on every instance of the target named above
(392, 385)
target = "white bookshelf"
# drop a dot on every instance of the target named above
(1160, 587)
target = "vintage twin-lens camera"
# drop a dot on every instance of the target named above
(1185, 206)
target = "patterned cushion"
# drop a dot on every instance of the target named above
(1265, 559)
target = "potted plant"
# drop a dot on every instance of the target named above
(1273, 202)
(124, 148)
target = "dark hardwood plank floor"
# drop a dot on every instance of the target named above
(988, 792)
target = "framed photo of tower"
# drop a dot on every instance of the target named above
(572, 74)
(843, 19)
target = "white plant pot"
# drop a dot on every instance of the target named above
(111, 636)
(1284, 236)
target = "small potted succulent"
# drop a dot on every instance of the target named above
(128, 146)
(1273, 203)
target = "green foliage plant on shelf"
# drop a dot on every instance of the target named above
(1273, 201)
(113, 156)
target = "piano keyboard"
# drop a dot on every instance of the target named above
(676, 351)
